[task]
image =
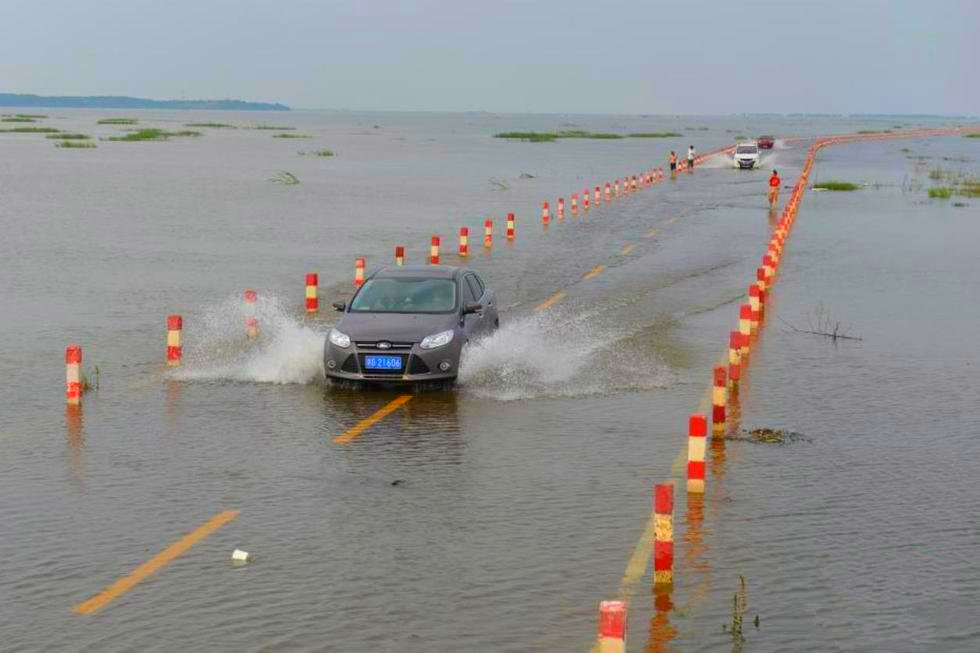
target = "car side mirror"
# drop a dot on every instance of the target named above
(472, 308)
(340, 306)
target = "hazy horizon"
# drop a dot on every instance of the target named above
(697, 58)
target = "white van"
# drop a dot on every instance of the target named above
(746, 155)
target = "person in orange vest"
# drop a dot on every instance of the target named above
(673, 162)
(774, 183)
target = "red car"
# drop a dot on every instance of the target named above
(766, 142)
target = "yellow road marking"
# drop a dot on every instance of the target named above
(596, 271)
(368, 422)
(551, 301)
(627, 249)
(147, 569)
(651, 233)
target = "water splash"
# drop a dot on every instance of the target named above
(286, 351)
(559, 355)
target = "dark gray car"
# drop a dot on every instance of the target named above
(409, 324)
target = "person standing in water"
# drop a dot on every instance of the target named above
(774, 183)
(672, 159)
(690, 158)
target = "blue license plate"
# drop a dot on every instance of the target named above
(383, 362)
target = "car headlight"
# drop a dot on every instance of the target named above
(437, 340)
(339, 339)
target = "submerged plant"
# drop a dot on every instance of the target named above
(291, 136)
(71, 137)
(30, 130)
(835, 185)
(117, 121)
(656, 135)
(215, 125)
(17, 119)
(285, 178)
(941, 193)
(73, 145)
(151, 134)
(323, 152)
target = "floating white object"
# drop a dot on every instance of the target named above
(240, 556)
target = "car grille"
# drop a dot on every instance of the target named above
(373, 344)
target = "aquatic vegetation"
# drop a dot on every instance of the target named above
(117, 121)
(323, 152)
(835, 185)
(151, 134)
(69, 137)
(960, 204)
(291, 136)
(264, 126)
(972, 135)
(17, 119)
(212, 125)
(905, 150)
(285, 178)
(29, 130)
(656, 135)
(532, 137)
(874, 131)
(548, 137)
(185, 133)
(940, 192)
(72, 145)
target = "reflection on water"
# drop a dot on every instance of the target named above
(661, 632)
(75, 437)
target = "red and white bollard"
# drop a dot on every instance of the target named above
(734, 356)
(312, 302)
(585, 199)
(561, 208)
(615, 188)
(511, 231)
(488, 233)
(359, 265)
(744, 329)
(434, 251)
(251, 322)
(464, 241)
(545, 216)
(175, 324)
(697, 432)
(609, 190)
(597, 197)
(399, 255)
(663, 534)
(633, 182)
(73, 375)
(574, 203)
(754, 306)
(612, 627)
(719, 401)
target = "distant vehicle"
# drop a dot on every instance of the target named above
(409, 325)
(746, 155)
(766, 142)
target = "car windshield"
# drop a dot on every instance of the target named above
(396, 295)
(746, 149)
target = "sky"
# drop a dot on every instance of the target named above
(544, 56)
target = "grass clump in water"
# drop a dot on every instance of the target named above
(39, 116)
(656, 135)
(285, 178)
(531, 137)
(323, 152)
(75, 145)
(581, 133)
(940, 193)
(151, 134)
(30, 130)
(264, 126)
(291, 136)
(835, 185)
(972, 135)
(117, 121)
(213, 125)
(17, 119)
(69, 137)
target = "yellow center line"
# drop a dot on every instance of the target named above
(148, 568)
(368, 422)
(596, 271)
(551, 301)
(627, 249)
(651, 233)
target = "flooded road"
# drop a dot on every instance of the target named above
(497, 516)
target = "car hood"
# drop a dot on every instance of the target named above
(396, 327)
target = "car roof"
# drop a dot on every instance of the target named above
(419, 271)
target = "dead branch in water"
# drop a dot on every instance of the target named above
(825, 326)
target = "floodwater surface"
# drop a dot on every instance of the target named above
(496, 516)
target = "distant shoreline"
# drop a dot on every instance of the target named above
(124, 102)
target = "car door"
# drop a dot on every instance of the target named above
(487, 299)
(473, 322)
